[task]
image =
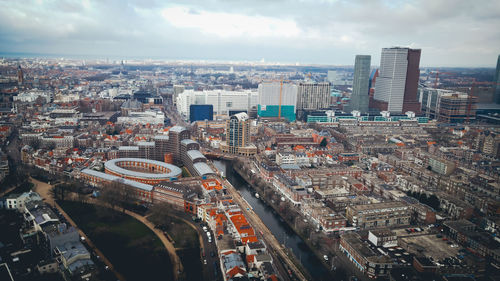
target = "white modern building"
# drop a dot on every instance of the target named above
(269, 93)
(152, 117)
(32, 95)
(391, 81)
(285, 158)
(223, 102)
(332, 76)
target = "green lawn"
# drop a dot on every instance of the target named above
(132, 248)
(186, 239)
(184, 235)
(191, 262)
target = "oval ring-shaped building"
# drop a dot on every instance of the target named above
(142, 170)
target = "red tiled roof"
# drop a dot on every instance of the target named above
(250, 258)
(234, 271)
(249, 239)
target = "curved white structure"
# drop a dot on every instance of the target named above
(142, 170)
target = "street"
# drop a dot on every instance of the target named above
(274, 246)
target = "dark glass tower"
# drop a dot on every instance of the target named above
(360, 85)
(497, 80)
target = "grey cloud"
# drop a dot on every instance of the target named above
(450, 32)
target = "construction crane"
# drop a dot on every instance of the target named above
(281, 80)
(436, 79)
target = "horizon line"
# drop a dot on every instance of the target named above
(80, 57)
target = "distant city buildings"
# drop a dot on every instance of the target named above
(177, 90)
(396, 87)
(339, 77)
(34, 95)
(145, 117)
(332, 76)
(386, 183)
(224, 102)
(447, 105)
(360, 86)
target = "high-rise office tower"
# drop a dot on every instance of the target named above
(497, 81)
(313, 96)
(396, 89)
(360, 85)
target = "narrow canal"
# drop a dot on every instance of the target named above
(275, 223)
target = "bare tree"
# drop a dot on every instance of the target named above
(60, 191)
(110, 194)
(161, 214)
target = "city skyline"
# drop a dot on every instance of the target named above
(450, 34)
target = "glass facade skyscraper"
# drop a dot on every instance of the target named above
(360, 85)
(497, 80)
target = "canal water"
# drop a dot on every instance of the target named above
(275, 223)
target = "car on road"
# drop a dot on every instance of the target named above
(325, 257)
(204, 261)
(212, 254)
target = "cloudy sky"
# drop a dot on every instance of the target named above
(449, 32)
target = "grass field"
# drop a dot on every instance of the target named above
(132, 248)
(185, 240)
(190, 259)
(184, 236)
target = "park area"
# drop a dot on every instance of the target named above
(133, 249)
(184, 238)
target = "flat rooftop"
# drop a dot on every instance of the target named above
(382, 205)
(431, 246)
